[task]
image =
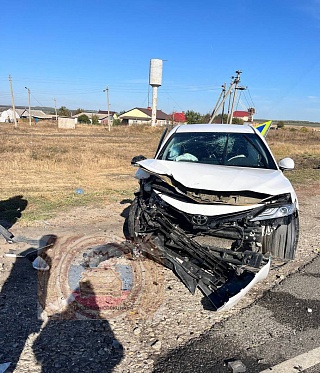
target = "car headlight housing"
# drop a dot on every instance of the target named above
(276, 212)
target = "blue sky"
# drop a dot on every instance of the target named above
(72, 50)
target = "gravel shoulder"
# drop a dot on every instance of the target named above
(163, 315)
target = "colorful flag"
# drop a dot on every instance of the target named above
(263, 128)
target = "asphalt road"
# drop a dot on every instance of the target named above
(280, 326)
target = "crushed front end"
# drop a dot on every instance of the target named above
(220, 254)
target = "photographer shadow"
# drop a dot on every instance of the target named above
(63, 342)
(10, 210)
(19, 304)
(70, 342)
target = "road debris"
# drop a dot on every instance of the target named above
(40, 264)
(236, 366)
(37, 247)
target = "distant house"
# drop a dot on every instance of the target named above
(244, 115)
(143, 116)
(7, 116)
(20, 111)
(36, 114)
(89, 114)
(178, 117)
(101, 115)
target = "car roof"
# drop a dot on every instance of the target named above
(229, 128)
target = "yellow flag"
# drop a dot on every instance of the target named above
(263, 128)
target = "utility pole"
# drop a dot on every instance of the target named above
(236, 82)
(224, 96)
(224, 87)
(219, 103)
(55, 108)
(231, 93)
(107, 93)
(13, 107)
(29, 105)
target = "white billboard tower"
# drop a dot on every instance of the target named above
(155, 80)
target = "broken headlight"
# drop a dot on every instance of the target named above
(276, 212)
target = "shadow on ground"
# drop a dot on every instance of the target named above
(61, 343)
(10, 210)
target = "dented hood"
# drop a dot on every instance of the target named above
(220, 178)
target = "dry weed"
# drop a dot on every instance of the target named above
(48, 165)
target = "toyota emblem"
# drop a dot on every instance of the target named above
(199, 220)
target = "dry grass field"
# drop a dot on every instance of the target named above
(48, 165)
(303, 146)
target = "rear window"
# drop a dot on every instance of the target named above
(228, 149)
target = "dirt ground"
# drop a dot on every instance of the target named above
(50, 325)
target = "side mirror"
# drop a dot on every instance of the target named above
(136, 159)
(286, 164)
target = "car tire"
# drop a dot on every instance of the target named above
(283, 241)
(133, 218)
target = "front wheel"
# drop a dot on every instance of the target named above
(282, 242)
(133, 219)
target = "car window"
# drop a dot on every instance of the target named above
(229, 149)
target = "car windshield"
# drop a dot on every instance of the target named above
(228, 149)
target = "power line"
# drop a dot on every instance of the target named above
(36, 100)
(251, 98)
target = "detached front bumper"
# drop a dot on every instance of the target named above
(261, 275)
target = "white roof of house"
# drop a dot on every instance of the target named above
(5, 114)
(36, 114)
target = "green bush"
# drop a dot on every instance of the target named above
(84, 119)
(95, 119)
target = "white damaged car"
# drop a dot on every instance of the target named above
(215, 207)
